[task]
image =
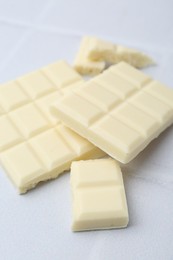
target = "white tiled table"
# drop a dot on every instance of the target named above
(36, 226)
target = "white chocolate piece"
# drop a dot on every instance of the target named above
(34, 145)
(99, 200)
(100, 50)
(94, 52)
(132, 56)
(120, 111)
(83, 64)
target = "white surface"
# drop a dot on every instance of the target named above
(37, 225)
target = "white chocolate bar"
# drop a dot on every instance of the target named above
(94, 52)
(83, 64)
(120, 111)
(99, 200)
(34, 145)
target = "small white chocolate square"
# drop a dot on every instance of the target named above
(61, 74)
(85, 173)
(99, 200)
(152, 106)
(115, 84)
(22, 166)
(83, 110)
(126, 139)
(132, 75)
(36, 84)
(98, 95)
(12, 96)
(29, 120)
(136, 118)
(52, 149)
(159, 91)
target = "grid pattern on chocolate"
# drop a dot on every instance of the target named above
(120, 111)
(34, 145)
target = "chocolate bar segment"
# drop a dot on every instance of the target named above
(120, 111)
(99, 200)
(34, 145)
